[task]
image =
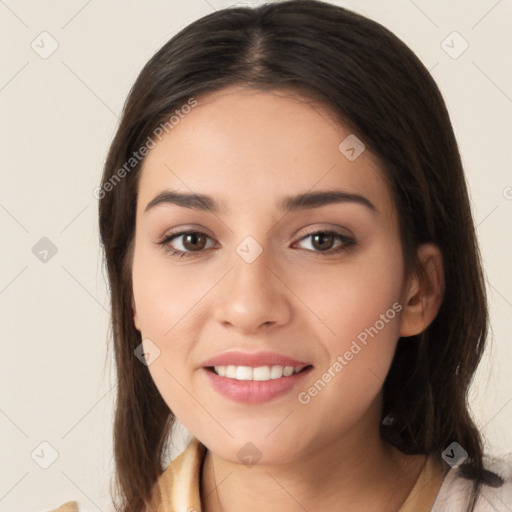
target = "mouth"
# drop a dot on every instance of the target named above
(255, 385)
(259, 373)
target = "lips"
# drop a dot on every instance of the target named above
(271, 375)
(253, 391)
(255, 359)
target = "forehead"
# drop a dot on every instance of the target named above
(248, 147)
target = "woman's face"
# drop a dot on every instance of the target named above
(260, 280)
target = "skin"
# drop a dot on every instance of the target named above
(248, 149)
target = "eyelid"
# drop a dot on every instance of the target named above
(183, 230)
(331, 229)
(309, 231)
(348, 241)
(170, 236)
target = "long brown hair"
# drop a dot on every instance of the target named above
(373, 83)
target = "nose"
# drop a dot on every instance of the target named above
(252, 296)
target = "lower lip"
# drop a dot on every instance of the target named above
(254, 391)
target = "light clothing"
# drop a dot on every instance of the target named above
(455, 491)
(178, 487)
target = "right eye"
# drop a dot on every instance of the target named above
(193, 242)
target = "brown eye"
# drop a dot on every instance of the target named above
(322, 241)
(194, 241)
(190, 243)
(325, 242)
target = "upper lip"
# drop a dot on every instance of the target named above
(253, 359)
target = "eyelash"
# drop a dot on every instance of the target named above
(348, 243)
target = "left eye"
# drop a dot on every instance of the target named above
(320, 239)
(194, 242)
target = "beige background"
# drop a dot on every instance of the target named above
(59, 115)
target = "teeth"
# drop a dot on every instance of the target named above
(288, 370)
(243, 373)
(260, 373)
(276, 372)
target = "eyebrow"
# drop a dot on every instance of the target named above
(307, 200)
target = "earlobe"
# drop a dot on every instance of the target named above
(425, 292)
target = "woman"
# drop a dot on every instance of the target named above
(283, 212)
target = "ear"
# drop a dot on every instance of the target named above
(424, 294)
(135, 315)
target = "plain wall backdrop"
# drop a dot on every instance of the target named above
(66, 70)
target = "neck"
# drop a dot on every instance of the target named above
(355, 472)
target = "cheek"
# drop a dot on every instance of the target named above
(345, 299)
(359, 323)
(169, 303)
(359, 357)
(164, 296)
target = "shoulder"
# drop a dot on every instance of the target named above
(178, 487)
(455, 490)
